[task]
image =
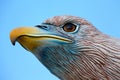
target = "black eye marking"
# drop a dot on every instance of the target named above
(69, 27)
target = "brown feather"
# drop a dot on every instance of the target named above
(99, 57)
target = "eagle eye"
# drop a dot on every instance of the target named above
(69, 27)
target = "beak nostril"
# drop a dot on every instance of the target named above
(38, 26)
(41, 26)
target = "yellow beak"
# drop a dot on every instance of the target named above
(32, 37)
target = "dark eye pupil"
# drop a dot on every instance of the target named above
(69, 27)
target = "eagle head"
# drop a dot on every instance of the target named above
(71, 48)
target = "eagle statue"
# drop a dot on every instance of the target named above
(71, 48)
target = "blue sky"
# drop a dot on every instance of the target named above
(18, 64)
